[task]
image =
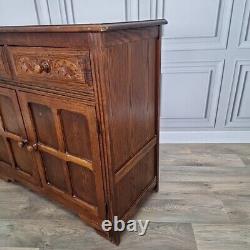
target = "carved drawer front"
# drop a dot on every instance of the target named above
(4, 72)
(43, 65)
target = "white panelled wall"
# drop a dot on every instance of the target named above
(205, 95)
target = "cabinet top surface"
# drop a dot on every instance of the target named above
(100, 27)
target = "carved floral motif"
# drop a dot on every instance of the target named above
(60, 69)
(67, 69)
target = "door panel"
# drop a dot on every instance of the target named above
(54, 174)
(12, 132)
(44, 124)
(64, 135)
(83, 187)
(79, 129)
(23, 160)
(4, 156)
(11, 120)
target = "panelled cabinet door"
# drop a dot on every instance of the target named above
(14, 155)
(65, 139)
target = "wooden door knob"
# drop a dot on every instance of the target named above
(42, 67)
(31, 148)
(22, 143)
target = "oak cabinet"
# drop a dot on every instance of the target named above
(79, 115)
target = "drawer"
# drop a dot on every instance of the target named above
(43, 65)
(4, 72)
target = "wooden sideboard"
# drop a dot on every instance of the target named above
(79, 115)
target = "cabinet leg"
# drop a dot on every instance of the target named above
(156, 189)
(7, 179)
(116, 238)
(10, 180)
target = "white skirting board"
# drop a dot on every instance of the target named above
(205, 137)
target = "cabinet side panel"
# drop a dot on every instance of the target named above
(132, 185)
(132, 98)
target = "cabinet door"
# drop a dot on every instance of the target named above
(14, 156)
(65, 139)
